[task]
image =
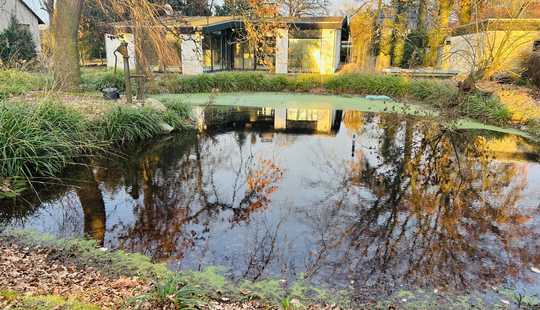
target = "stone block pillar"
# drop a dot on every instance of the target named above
(192, 54)
(282, 50)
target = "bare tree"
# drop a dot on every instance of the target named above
(487, 45)
(400, 31)
(305, 7)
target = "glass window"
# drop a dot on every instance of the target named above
(207, 53)
(304, 50)
(304, 55)
(213, 51)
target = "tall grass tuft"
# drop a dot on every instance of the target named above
(129, 124)
(488, 109)
(177, 112)
(39, 141)
(437, 93)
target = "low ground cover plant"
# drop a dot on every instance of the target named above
(16, 82)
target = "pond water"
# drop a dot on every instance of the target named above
(370, 202)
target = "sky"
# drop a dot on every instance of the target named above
(336, 7)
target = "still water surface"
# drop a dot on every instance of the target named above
(372, 202)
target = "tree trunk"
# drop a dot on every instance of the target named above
(422, 15)
(440, 31)
(465, 10)
(65, 26)
(385, 44)
(400, 33)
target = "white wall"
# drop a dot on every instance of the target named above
(23, 15)
(466, 50)
(112, 43)
(329, 51)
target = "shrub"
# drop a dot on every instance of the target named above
(415, 46)
(96, 80)
(16, 44)
(532, 69)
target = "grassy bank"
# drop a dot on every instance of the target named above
(433, 93)
(38, 140)
(191, 289)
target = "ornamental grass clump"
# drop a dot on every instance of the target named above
(488, 109)
(178, 113)
(125, 124)
(39, 141)
(368, 84)
(438, 93)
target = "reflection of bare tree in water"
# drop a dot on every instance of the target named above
(430, 208)
(179, 190)
(265, 250)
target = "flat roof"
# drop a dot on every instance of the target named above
(216, 23)
(499, 24)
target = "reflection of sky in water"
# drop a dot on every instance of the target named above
(172, 206)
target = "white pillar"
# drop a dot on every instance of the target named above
(192, 54)
(282, 50)
(280, 118)
(328, 51)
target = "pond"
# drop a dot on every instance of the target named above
(370, 202)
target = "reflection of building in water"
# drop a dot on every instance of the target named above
(311, 120)
(268, 120)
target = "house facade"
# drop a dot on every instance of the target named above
(217, 43)
(507, 40)
(24, 15)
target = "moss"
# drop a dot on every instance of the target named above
(192, 288)
(8, 295)
(87, 253)
(19, 301)
(47, 302)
